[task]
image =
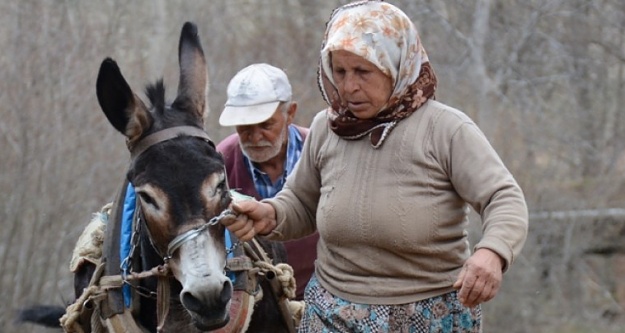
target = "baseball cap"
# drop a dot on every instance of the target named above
(254, 94)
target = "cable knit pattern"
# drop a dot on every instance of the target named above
(406, 200)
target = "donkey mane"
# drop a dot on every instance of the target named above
(156, 95)
(159, 106)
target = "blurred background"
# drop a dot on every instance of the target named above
(543, 79)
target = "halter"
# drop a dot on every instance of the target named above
(135, 151)
(167, 134)
(177, 242)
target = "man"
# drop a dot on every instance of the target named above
(265, 148)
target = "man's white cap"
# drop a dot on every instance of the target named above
(254, 94)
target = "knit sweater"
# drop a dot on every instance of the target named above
(392, 221)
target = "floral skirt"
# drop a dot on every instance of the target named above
(441, 314)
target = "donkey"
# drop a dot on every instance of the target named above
(181, 189)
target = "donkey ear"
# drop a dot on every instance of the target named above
(124, 110)
(193, 85)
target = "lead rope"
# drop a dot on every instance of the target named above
(162, 301)
(285, 279)
(99, 285)
(69, 321)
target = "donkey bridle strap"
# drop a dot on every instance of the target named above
(164, 135)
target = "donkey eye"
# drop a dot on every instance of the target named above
(226, 198)
(222, 189)
(147, 199)
(214, 186)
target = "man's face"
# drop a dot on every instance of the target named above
(264, 141)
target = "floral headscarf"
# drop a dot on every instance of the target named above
(382, 34)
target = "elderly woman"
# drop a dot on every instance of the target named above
(385, 177)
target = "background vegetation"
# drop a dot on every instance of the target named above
(543, 79)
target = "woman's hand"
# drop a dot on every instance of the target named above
(480, 278)
(252, 218)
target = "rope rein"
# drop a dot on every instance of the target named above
(280, 276)
(284, 274)
(97, 289)
(99, 285)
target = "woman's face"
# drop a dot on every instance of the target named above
(363, 87)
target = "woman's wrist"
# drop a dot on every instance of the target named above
(267, 229)
(271, 220)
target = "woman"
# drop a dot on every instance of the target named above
(385, 177)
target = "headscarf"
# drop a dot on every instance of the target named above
(382, 34)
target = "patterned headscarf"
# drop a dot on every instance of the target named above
(382, 34)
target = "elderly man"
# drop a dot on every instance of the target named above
(265, 147)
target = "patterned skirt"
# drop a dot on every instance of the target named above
(327, 313)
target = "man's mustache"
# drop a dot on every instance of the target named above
(261, 144)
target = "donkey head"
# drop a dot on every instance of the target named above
(178, 176)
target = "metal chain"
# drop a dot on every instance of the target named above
(233, 247)
(216, 219)
(126, 265)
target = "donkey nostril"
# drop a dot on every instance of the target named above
(190, 302)
(226, 293)
(194, 304)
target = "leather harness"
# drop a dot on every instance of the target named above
(245, 286)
